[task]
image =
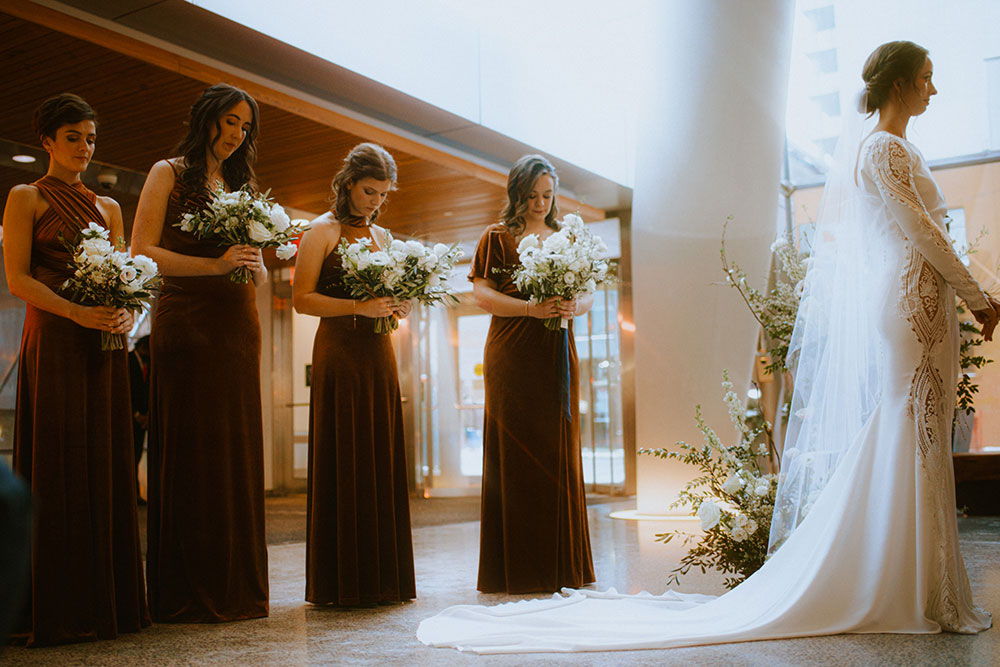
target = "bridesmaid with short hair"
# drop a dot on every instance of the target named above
(206, 561)
(73, 426)
(358, 545)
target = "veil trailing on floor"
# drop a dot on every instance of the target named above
(835, 352)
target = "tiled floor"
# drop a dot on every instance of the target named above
(626, 557)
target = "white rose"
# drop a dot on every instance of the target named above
(279, 219)
(397, 245)
(127, 273)
(286, 250)
(572, 219)
(120, 259)
(569, 278)
(529, 241)
(95, 250)
(733, 484)
(441, 249)
(739, 534)
(740, 520)
(762, 489)
(709, 513)
(751, 527)
(146, 267)
(258, 232)
(415, 249)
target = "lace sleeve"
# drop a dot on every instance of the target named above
(892, 173)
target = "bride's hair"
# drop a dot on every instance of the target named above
(521, 179)
(886, 65)
(365, 160)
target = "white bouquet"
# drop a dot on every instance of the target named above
(104, 276)
(245, 218)
(404, 270)
(566, 264)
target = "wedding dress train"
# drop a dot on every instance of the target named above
(877, 550)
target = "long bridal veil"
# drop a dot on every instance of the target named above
(835, 352)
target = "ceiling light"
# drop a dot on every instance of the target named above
(24, 159)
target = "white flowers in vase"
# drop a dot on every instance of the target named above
(244, 217)
(404, 270)
(104, 276)
(567, 264)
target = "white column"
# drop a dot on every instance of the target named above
(711, 133)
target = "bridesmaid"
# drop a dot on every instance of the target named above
(73, 426)
(206, 560)
(534, 535)
(358, 546)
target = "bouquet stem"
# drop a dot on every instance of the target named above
(556, 323)
(384, 325)
(241, 275)
(112, 341)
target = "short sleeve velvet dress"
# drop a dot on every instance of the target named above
(206, 558)
(534, 514)
(358, 545)
(73, 444)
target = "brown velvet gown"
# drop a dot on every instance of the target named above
(534, 535)
(73, 444)
(206, 559)
(358, 545)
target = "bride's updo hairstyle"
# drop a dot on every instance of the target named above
(365, 160)
(522, 178)
(65, 109)
(885, 66)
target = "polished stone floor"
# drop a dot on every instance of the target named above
(446, 546)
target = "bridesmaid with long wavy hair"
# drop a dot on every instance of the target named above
(358, 545)
(206, 559)
(73, 426)
(534, 535)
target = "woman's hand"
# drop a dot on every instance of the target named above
(545, 309)
(402, 309)
(988, 317)
(126, 322)
(240, 255)
(382, 306)
(567, 308)
(102, 318)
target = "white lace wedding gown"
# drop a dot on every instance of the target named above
(878, 551)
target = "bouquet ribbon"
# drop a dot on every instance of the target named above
(564, 374)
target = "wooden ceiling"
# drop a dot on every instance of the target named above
(142, 108)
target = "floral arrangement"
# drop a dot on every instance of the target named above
(404, 270)
(244, 217)
(566, 264)
(104, 276)
(775, 309)
(732, 497)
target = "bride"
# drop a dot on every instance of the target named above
(864, 536)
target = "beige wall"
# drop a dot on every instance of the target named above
(976, 189)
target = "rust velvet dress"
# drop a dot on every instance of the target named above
(358, 545)
(534, 534)
(206, 558)
(73, 444)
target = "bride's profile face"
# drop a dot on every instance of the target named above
(916, 97)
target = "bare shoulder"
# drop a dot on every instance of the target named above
(323, 230)
(25, 193)
(108, 204)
